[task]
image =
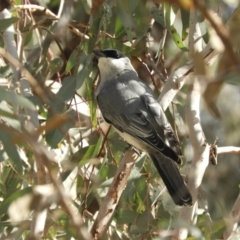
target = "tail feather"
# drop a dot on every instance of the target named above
(172, 179)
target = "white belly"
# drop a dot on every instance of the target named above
(131, 140)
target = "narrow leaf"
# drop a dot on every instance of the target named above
(5, 204)
(15, 99)
(5, 23)
(67, 91)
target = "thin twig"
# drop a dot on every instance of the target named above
(33, 8)
(220, 29)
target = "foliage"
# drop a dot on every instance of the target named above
(82, 155)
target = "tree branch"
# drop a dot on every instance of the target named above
(200, 147)
(114, 193)
(232, 220)
(228, 149)
(178, 78)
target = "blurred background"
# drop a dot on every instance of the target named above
(54, 42)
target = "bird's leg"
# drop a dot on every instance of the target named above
(132, 148)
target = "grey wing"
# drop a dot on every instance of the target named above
(143, 120)
(162, 124)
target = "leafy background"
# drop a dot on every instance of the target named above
(74, 149)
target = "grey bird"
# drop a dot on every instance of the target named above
(130, 106)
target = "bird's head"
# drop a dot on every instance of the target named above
(111, 63)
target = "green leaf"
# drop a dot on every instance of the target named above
(125, 216)
(158, 15)
(95, 21)
(3, 155)
(85, 154)
(232, 79)
(204, 30)
(84, 70)
(134, 229)
(5, 23)
(8, 115)
(57, 135)
(56, 65)
(11, 150)
(185, 23)
(5, 71)
(141, 221)
(126, 18)
(166, 17)
(217, 228)
(67, 91)
(116, 145)
(28, 38)
(5, 224)
(15, 99)
(12, 181)
(92, 151)
(6, 203)
(92, 103)
(119, 31)
(73, 59)
(133, 5)
(169, 19)
(136, 171)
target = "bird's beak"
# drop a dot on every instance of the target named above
(98, 53)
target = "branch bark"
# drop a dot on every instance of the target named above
(114, 193)
(201, 155)
(228, 149)
(196, 135)
(178, 78)
(232, 220)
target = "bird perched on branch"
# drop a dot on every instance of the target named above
(130, 106)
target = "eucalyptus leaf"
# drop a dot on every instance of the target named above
(56, 65)
(95, 21)
(6, 203)
(169, 20)
(126, 19)
(87, 153)
(54, 137)
(5, 23)
(185, 23)
(7, 114)
(125, 216)
(5, 71)
(15, 99)
(158, 15)
(166, 16)
(12, 183)
(73, 59)
(84, 70)
(3, 155)
(233, 79)
(67, 91)
(11, 150)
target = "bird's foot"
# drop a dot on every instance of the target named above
(132, 148)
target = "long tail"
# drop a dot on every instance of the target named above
(172, 178)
